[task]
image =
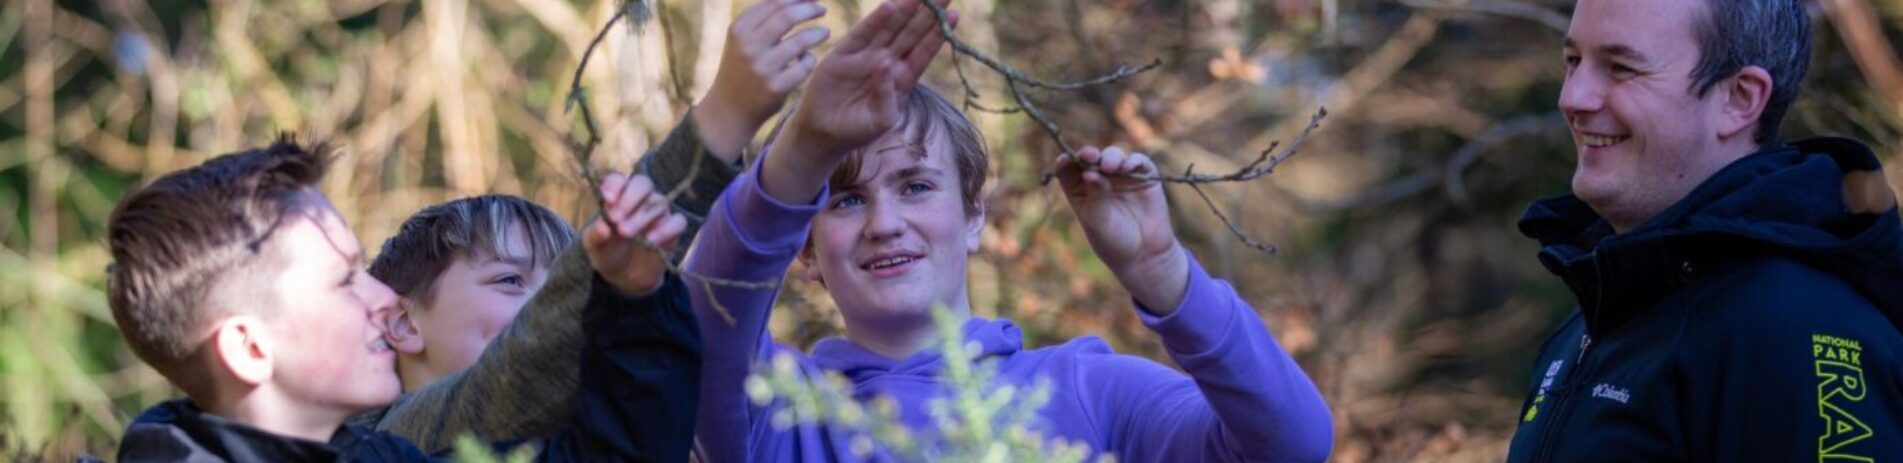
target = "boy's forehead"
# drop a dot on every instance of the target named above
(314, 229)
(900, 152)
(511, 245)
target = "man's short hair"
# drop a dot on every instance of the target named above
(182, 241)
(1771, 34)
(413, 259)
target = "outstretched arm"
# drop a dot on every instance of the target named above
(533, 364)
(764, 61)
(1248, 401)
(758, 226)
(640, 366)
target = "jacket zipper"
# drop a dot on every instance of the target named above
(1560, 407)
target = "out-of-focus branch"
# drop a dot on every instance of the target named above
(1551, 19)
(1856, 23)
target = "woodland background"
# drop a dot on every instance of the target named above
(1400, 283)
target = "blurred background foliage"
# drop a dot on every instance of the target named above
(1400, 285)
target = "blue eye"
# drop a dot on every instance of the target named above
(512, 280)
(847, 200)
(917, 187)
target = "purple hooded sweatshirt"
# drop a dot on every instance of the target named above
(1244, 398)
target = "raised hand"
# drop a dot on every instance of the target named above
(761, 65)
(632, 212)
(855, 96)
(1126, 219)
(857, 91)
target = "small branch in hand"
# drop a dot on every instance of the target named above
(1016, 81)
(1262, 165)
(638, 11)
(1233, 229)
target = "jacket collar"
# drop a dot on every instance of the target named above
(1806, 201)
(176, 430)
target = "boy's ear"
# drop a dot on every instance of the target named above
(809, 267)
(244, 348)
(974, 228)
(400, 330)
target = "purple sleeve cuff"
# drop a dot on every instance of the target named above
(1201, 321)
(762, 221)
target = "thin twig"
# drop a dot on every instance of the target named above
(584, 152)
(1262, 165)
(1233, 229)
(1016, 81)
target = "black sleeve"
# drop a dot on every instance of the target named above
(640, 378)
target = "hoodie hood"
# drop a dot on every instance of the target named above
(1821, 201)
(995, 338)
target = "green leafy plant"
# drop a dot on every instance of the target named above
(979, 421)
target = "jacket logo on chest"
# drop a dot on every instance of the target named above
(1608, 391)
(1840, 385)
(1533, 410)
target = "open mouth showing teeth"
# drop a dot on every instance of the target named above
(889, 262)
(1597, 141)
(379, 346)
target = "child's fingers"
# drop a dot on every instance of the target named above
(793, 75)
(652, 208)
(1070, 171)
(665, 233)
(921, 22)
(1090, 156)
(775, 26)
(883, 93)
(861, 35)
(920, 57)
(1140, 164)
(1112, 161)
(788, 52)
(637, 188)
(611, 185)
(598, 232)
(902, 15)
(750, 19)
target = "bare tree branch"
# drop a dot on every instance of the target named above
(636, 11)
(1016, 81)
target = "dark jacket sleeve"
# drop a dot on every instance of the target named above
(682, 161)
(524, 383)
(1790, 364)
(522, 387)
(640, 378)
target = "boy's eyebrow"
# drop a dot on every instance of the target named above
(518, 261)
(915, 172)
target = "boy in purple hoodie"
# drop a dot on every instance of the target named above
(885, 175)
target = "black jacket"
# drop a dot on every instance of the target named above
(1755, 320)
(639, 386)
